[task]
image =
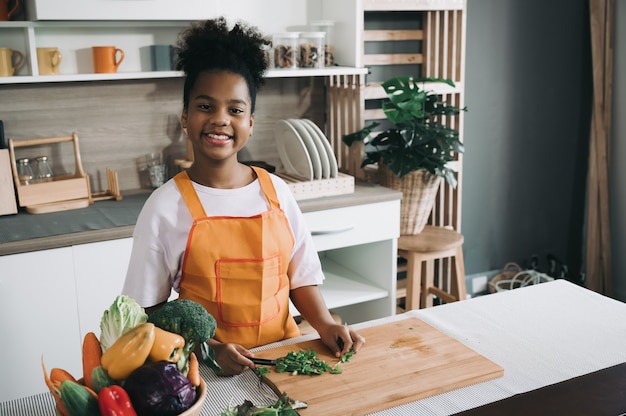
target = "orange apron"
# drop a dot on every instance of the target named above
(236, 267)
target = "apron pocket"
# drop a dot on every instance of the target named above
(247, 290)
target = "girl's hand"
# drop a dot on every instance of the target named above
(340, 339)
(233, 358)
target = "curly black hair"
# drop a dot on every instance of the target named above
(211, 46)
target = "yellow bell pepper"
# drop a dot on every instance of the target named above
(167, 346)
(129, 352)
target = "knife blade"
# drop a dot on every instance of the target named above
(263, 361)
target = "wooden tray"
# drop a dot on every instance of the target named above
(62, 192)
(60, 189)
(401, 362)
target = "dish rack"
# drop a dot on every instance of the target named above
(301, 188)
(63, 192)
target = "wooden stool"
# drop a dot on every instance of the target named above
(420, 252)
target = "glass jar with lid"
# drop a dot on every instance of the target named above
(24, 171)
(44, 171)
(328, 27)
(286, 50)
(312, 49)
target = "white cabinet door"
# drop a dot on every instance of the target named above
(100, 270)
(121, 9)
(38, 311)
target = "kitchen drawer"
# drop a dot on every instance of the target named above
(349, 226)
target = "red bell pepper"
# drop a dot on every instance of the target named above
(114, 401)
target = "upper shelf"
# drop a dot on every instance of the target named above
(272, 73)
(74, 40)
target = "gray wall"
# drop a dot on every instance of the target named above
(526, 132)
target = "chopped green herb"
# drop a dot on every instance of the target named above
(336, 369)
(301, 362)
(284, 406)
(261, 370)
(306, 363)
(346, 357)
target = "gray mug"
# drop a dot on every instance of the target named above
(162, 57)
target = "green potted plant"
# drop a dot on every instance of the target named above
(413, 154)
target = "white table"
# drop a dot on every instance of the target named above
(540, 335)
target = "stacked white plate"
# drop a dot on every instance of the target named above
(305, 150)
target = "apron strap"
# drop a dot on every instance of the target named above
(189, 195)
(267, 186)
(193, 201)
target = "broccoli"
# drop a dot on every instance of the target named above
(190, 320)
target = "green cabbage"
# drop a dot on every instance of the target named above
(123, 315)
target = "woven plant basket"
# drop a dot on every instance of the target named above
(419, 189)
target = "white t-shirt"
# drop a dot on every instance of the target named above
(163, 225)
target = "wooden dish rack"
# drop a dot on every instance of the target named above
(63, 192)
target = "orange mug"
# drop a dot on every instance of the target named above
(5, 13)
(10, 61)
(106, 59)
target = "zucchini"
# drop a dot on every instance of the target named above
(100, 379)
(77, 400)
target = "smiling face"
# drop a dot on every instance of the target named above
(218, 118)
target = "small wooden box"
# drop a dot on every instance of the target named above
(42, 196)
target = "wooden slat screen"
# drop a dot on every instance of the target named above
(441, 56)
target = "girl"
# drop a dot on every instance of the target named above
(229, 236)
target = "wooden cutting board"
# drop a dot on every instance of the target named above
(8, 203)
(401, 362)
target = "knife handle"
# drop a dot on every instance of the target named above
(263, 361)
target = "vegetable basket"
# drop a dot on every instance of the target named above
(194, 410)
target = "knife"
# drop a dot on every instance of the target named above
(263, 361)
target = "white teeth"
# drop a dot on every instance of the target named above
(218, 136)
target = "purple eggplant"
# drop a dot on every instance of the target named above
(159, 389)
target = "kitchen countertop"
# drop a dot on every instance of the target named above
(541, 335)
(110, 219)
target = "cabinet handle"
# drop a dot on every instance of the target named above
(334, 231)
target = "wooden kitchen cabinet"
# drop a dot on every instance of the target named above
(39, 319)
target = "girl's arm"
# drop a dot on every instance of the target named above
(338, 338)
